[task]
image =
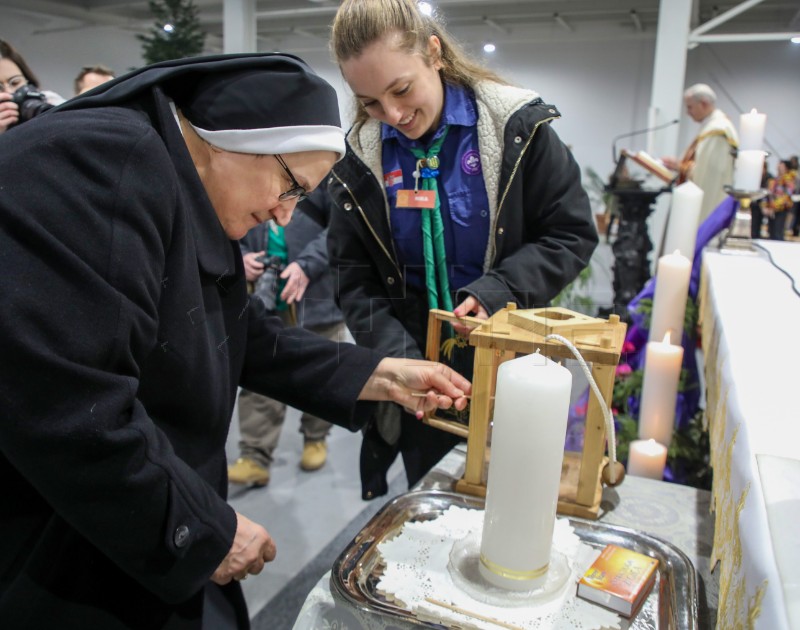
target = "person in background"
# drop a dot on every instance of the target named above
(20, 87)
(291, 272)
(91, 76)
(126, 312)
(708, 162)
(779, 200)
(757, 205)
(794, 162)
(505, 216)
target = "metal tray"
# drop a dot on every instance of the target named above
(671, 604)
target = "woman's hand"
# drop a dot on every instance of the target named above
(9, 112)
(252, 548)
(470, 305)
(419, 386)
(296, 283)
(252, 268)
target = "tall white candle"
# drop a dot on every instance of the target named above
(672, 290)
(528, 434)
(751, 130)
(748, 169)
(684, 216)
(662, 371)
(647, 458)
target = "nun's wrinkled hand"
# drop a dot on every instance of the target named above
(296, 283)
(419, 386)
(252, 548)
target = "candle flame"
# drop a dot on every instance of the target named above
(677, 252)
(753, 111)
(666, 336)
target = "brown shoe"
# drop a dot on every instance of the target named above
(248, 472)
(314, 455)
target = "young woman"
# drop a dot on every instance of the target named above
(501, 190)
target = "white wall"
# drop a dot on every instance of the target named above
(602, 88)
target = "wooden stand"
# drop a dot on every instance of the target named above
(503, 336)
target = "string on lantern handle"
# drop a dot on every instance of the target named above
(609, 420)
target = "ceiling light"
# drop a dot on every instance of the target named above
(796, 40)
(168, 28)
(489, 48)
(426, 8)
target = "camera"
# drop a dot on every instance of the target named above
(31, 102)
(272, 262)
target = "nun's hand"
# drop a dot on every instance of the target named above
(419, 386)
(252, 548)
(296, 283)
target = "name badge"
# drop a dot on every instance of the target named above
(416, 198)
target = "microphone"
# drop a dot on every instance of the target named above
(636, 133)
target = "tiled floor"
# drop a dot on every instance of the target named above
(304, 511)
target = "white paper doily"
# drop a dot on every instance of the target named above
(416, 570)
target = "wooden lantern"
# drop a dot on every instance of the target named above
(503, 336)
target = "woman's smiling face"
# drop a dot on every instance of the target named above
(396, 87)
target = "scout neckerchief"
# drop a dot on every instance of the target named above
(433, 226)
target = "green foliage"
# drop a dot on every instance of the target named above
(595, 187)
(185, 40)
(645, 309)
(690, 453)
(573, 297)
(627, 432)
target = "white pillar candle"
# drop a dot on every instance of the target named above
(647, 458)
(528, 434)
(748, 169)
(751, 130)
(662, 371)
(672, 290)
(684, 216)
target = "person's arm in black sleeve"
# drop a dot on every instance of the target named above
(559, 233)
(80, 318)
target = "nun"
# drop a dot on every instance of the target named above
(125, 330)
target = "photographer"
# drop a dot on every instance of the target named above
(20, 96)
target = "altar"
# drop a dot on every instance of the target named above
(749, 316)
(674, 513)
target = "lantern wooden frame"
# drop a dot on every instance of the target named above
(503, 336)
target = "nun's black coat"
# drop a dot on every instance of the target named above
(125, 329)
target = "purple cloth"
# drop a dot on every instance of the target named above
(636, 339)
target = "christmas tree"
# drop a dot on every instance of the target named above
(176, 33)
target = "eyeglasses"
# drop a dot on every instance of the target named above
(296, 191)
(13, 84)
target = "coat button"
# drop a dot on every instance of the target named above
(500, 231)
(181, 536)
(390, 280)
(518, 139)
(348, 206)
(552, 111)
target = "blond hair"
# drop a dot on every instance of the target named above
(359, 23)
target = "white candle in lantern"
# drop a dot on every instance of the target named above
(662, 371)
(647, 458)
(751, 130)
(529, 429)
(684, 216)
(748, 169)
(672, 290)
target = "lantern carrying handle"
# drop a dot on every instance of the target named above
(609, 420)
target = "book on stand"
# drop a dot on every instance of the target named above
(619, 579)
(652, 165)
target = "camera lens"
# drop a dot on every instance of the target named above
(31, 102)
